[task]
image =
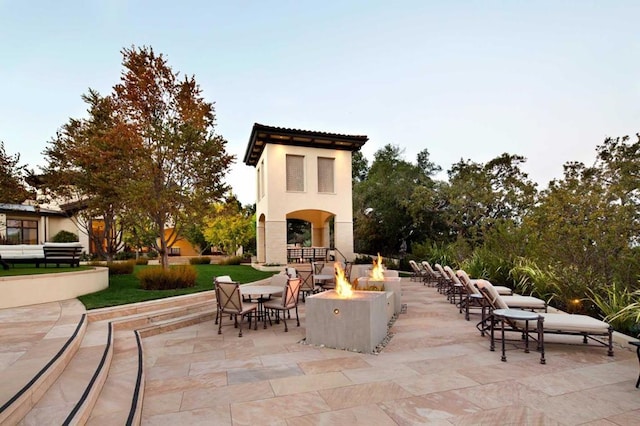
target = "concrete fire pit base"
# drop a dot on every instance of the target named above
(356, 324)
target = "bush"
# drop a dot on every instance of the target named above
(152, 254)
(200, 260)
(121, 268)
(231, 260)
(363, 260)
(65, 237)
(142, 261)
(157, 278)
(124, 255)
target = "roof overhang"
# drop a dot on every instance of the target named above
(261, 135)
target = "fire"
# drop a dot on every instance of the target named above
(343, 286)
(377, 273)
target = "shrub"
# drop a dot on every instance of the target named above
(124, 255)
(142, 261)
(200, 260)
(121, 268)
(232, 260)
(65, 237)
(157, 278)
(152, 254)
(363, 260)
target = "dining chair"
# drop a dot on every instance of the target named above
(229, 300)
(289, 300)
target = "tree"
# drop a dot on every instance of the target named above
(229, 226)
(89, 161)
(381, 209)
(359, 166)
(179, 163)
(12, 175)
(480, 195)
(586, 225)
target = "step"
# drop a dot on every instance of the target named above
(27, 379)
(70, 399)
(113, 312)
(145, 319)
(120, 401)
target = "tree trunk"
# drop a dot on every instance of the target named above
(164, 251)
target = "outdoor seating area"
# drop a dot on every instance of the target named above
(434, 367)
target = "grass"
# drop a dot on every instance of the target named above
(125, 289)
(30, 269)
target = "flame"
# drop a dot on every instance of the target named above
(343, 286)
(377, 273)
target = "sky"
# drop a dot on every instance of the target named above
(548, 80)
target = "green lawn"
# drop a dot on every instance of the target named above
(28, 269)
(125, 289)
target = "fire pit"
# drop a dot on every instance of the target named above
(344, 319)
(357, 323)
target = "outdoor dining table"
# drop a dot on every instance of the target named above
(261, 293)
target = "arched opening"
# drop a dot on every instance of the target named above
(261, 247)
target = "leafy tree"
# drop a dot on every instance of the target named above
(229, 227)
(586, 225)
(479, 196)
(88, 165)
(359, 166)
(179, 163)
(382, 219)
(12, 175)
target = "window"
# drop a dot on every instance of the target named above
(295, 173)
(22, 231)
(261, 181)
(325, 175)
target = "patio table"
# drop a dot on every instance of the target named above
(260, 293)
(518, 315)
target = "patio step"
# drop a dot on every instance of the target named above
(27, 379)
(89, 367)
(70, 399)
(120, 401)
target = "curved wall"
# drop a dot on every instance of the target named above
(25, 290)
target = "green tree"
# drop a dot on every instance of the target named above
(478, 196)
(179, 163)
(14, 190)
(586, 225)
(382, 219)
(229, 226)
(359, 166)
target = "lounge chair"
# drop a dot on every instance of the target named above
(556, 323)
(464, 277)
(434, 277)
(418, 273)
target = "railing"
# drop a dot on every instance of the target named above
(307, 254)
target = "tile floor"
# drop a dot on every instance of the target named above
(436, 369)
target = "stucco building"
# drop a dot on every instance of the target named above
(302, 175)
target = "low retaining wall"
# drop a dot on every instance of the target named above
(25, 290)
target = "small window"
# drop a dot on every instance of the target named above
(295, 173)
(325, 175)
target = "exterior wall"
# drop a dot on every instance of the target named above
(277, 204)
(25, 290)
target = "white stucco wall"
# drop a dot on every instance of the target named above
(25, 290)
(277, 203)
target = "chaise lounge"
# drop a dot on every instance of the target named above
(556, 323)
